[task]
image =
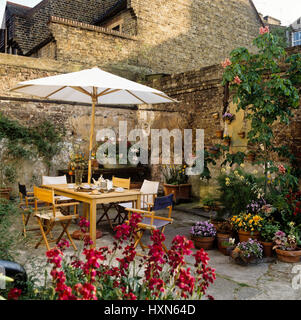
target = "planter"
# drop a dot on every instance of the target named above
(251, 157)
(267, 248)
(216, 223)
(219, 133)
(5, 193)
(222, 237)
(203, 242)
(227, 142)
(180, 191)
(246, 235)
(289, 256)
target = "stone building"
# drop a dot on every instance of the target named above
(296, 33)
(176, 45)
(148, 34)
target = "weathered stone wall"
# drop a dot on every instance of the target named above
(27, 110)
(201, 96)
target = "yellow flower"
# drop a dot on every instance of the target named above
(242, 165)
(255, 172)
(251, 221)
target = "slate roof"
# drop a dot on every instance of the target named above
(30, 25)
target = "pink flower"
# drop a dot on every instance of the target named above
(237, 80)
(226, 63)
(281, 169)
(264, 30)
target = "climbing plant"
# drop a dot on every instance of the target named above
(267, 94)
(21, 142)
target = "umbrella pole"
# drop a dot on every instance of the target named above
(94, 100)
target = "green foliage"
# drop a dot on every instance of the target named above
(268, 230)
(238, 189)
(9, 212)
(7, 174)
(264, 92)
(175, 174)
(42, 140)
(281, 33)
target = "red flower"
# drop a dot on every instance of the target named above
(281, 169)
(14, 294)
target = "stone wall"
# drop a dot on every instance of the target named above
(160, 37)
(28, 110)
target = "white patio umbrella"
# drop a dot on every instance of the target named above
(92, 86)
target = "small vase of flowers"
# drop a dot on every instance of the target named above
(203, 234)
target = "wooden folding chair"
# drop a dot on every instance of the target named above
(51, 214)
(27, 206)
(151, 220)
(118, 183)
(46, 180)
(149, 191)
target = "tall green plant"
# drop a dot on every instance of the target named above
(265, 92)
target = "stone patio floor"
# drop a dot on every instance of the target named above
(265, 281)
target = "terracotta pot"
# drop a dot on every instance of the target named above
(78, 235)
(180, 191)
(289, 256)
(216, 223)
(267, 248)
(251, 157)
(5, 193)
(227, 142)
(222, 237)
(203, 242)
(219, 134)
(246, 235)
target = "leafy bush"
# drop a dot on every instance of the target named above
(9, 213)
(238, 189)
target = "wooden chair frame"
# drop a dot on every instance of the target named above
(121, 183)
(26, 205)
(142, 226)
(47, 196)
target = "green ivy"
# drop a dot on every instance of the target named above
(40, 141)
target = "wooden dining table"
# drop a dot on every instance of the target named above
(90, 201)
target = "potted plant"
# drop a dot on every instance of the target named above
(251, 155)
(77, 164)
(227, 140)
(228, 246)
(176, 182)
(219, 133)
(223, 233)
(214, 150)
(247, 226)
(267, 234)
(203, 234)
(247, 252)
(286, 246)
(228, 117)
(7, 177)
(209, 203)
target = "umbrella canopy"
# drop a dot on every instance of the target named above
(92, 86)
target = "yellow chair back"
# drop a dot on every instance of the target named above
(121, 183)
(44, 195)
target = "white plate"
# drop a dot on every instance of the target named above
(70, 186)
(119, 190)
